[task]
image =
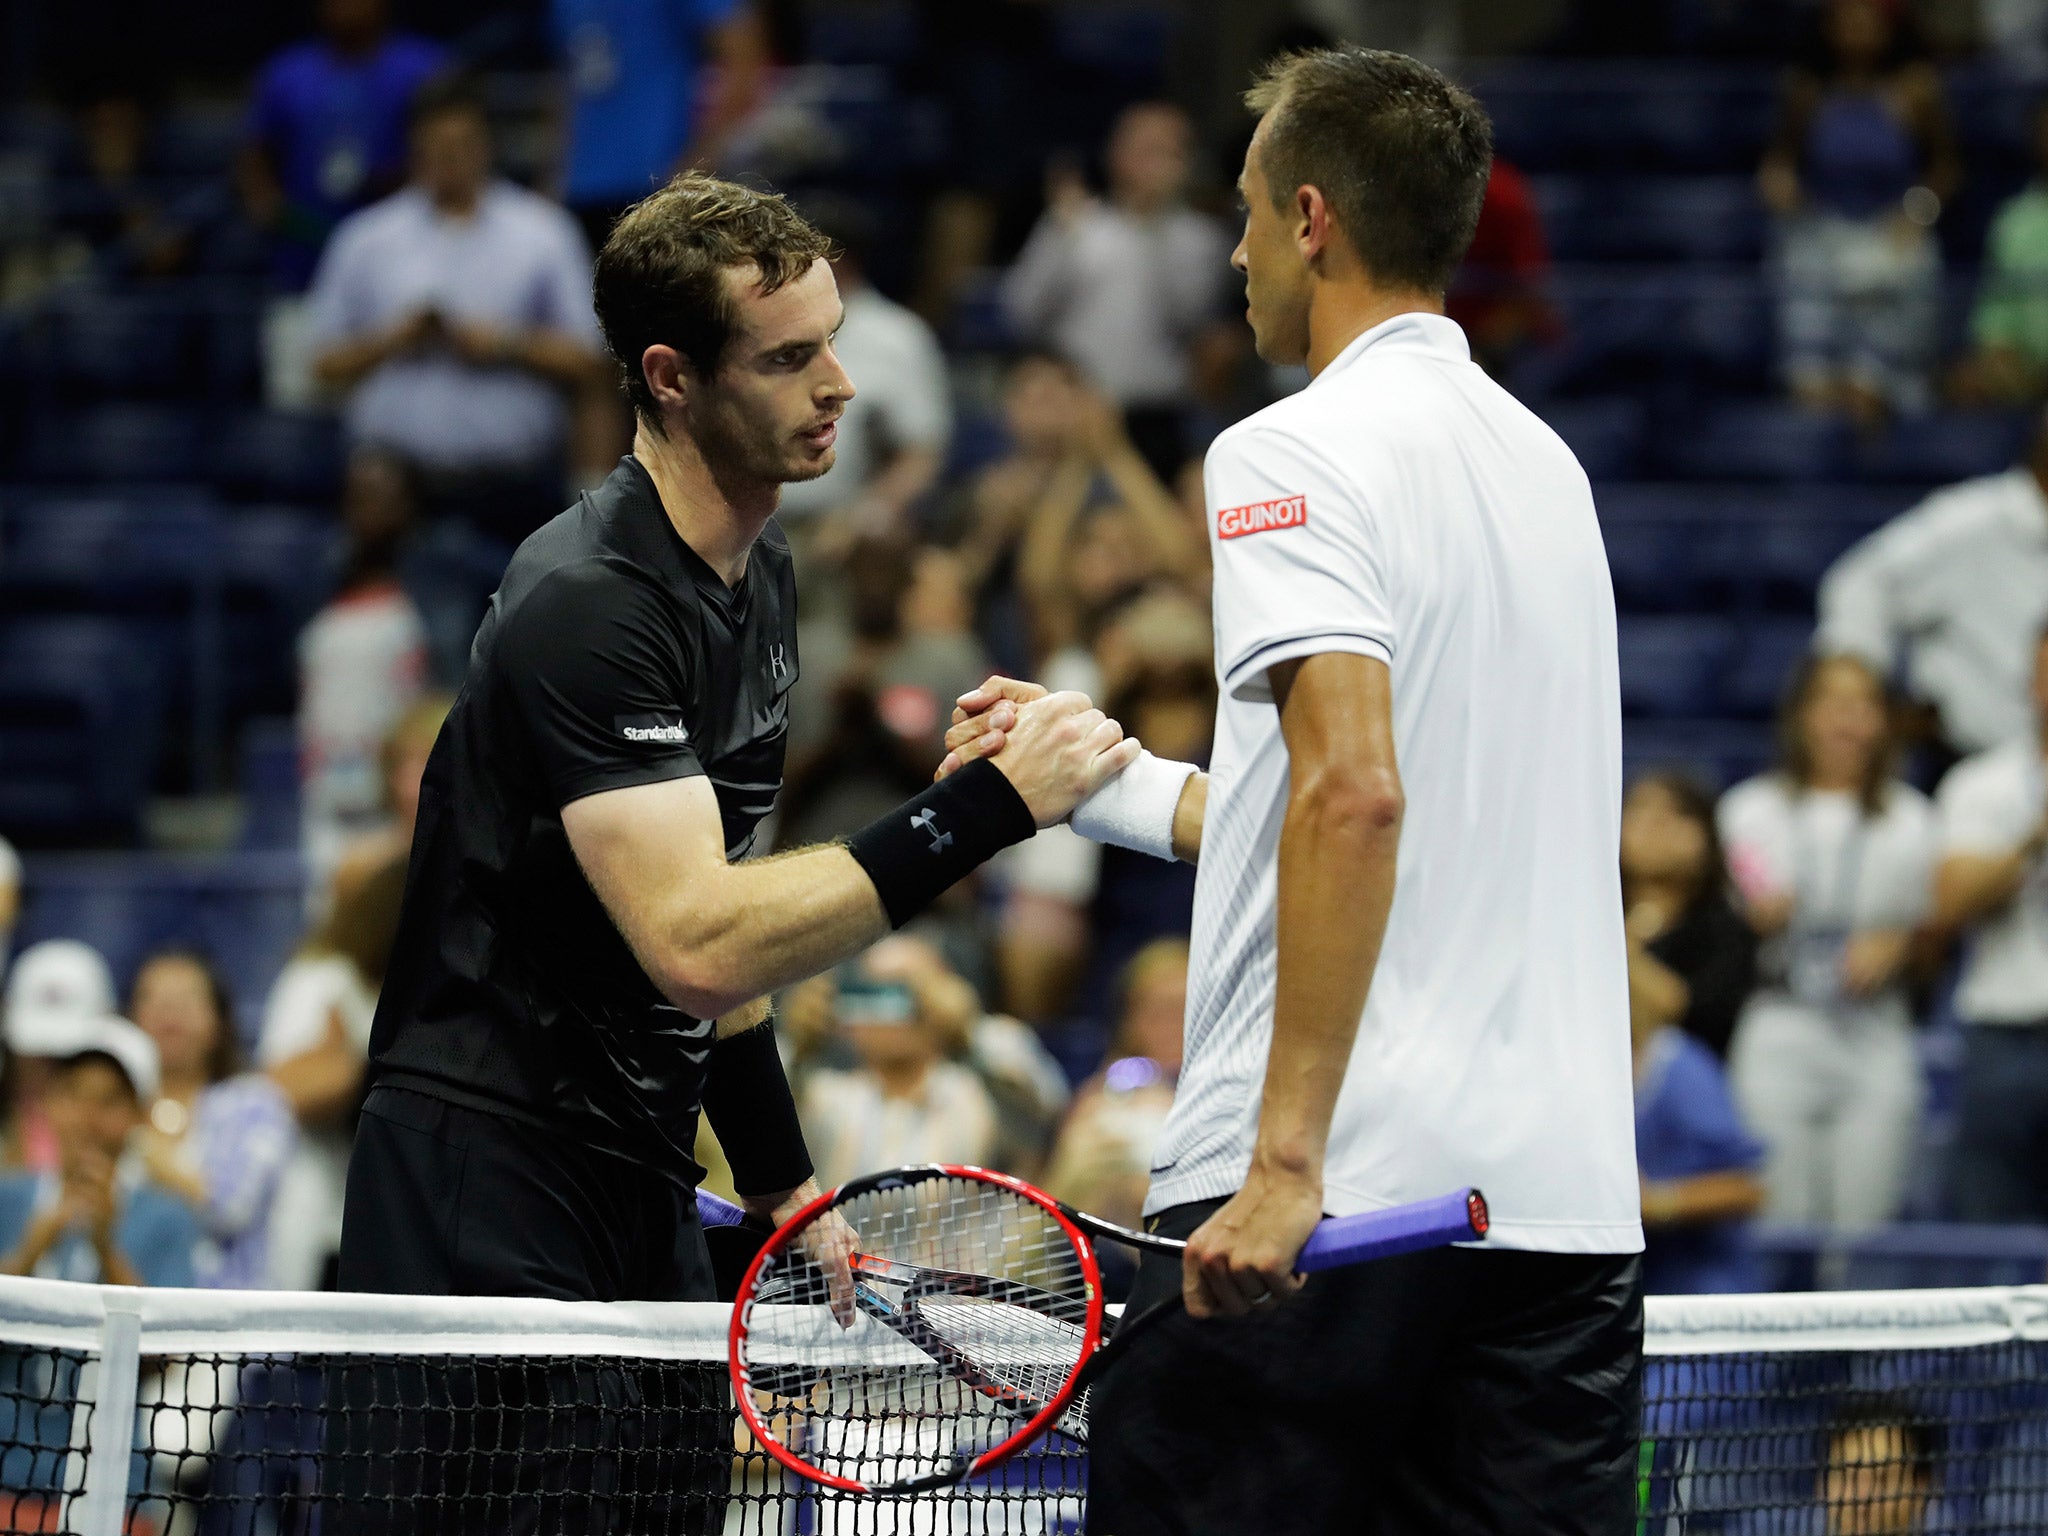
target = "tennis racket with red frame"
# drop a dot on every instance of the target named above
(967, 1320)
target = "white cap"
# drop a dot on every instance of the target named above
(133, 1051)
(55, 987)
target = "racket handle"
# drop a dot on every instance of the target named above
(1459, 1217)
(714, 1212)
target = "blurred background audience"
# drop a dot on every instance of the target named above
(295, 342)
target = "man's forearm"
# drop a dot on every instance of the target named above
(1969, 887)
(774, 922)
(1336, 885)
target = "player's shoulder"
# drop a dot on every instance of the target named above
(1294, 427)
(1970, 507)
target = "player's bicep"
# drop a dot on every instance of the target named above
(638, 847)
(1337, 717)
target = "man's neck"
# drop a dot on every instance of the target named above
(461, 205)
(719, 515)
(1344, 309)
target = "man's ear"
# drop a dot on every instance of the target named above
(1311, 222)
(667, 376)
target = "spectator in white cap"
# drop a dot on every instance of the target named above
(55, 987)
(96, 1217)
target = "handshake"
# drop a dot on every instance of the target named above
(1065, 758)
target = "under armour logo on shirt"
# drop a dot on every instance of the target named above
(927, 823)
(776, 664)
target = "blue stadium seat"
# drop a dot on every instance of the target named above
(81, 704)
(871, 33)
(1724, 326)
(1672, 666)
(110, 546)
(1588, 116)
(980, 323)
(1756, 440)
(269, 782)
(113, 345)
(116, 442)
(278, 455)
(277, 566)
(1652, 561)
(1948, 446)
(1652, 218)
(1128, 41)
(246, 910)
(1770, 652)
(1719, 752)
(1605, 434)
(194, 140)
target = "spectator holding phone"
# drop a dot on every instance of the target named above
(1834, 858)
(456, 317)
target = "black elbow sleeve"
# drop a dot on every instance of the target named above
(753, 1112)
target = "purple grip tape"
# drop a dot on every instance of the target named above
(714, 1212)
(1459, 1217)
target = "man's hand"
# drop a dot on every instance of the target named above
(1060, 751)
(983, 719)
(1872, 960)
(1244, 1255)
(828, 1242)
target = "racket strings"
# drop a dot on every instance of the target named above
(972, 1318)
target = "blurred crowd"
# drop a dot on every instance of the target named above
(1786, 940)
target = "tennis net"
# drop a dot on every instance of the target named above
(199, 1412)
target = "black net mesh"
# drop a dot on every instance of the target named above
(1876, 1442)
(1867, 1442)
(44, 1442)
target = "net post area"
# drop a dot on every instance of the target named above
(263, 1412)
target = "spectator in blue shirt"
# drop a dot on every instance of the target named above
(1697, 1162)
(635, 115)
(96, 1218)
(327, 129)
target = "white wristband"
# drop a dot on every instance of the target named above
(1135, 809)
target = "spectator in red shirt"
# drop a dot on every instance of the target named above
(1500, 293)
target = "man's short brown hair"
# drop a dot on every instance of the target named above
(1400, 153)
(661, 276)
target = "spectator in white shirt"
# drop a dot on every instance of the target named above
(456, 315)
(893, 435)
(1960, 585)
(315, 1046)
(1835, 859)
(905, 1102)
(1993, 884)
(362, 663)
(1123, 286)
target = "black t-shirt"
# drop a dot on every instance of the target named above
(612, 656)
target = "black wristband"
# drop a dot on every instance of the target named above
(747, 1098)
(919, 849)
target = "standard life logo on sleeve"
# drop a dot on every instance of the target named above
(652, 728)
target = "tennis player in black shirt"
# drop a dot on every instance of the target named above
(586, 949)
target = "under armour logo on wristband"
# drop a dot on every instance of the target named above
(927, 823)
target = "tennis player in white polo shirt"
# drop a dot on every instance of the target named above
(1408, 962)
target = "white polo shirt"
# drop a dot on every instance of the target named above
(1405, 507)
(1989, 804)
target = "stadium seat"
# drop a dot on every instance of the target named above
(1652, 561)
(115, 442)
(1127, 41)
(1673, 666)
(1634, 115)
(1605, 434)
(1769, 653)
(269, 782)
(1651, 218)
(980, 323)
(1755, 440)
(1718, 752)
(866, 33)
(195, 140)
(277, 565)
(81, 702)
(1946, 447)
(278, 455)
(117, 346)
(1724, 327)
(246, 910)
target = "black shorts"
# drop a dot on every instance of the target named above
(448, 1201)
(1457, 1392)
(444, 1200)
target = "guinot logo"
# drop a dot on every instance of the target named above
(1262, 517)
